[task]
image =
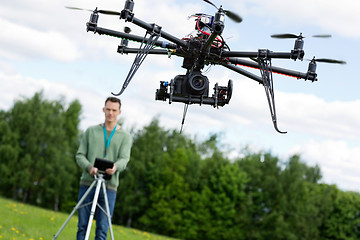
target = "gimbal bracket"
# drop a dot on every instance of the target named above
(266, 74)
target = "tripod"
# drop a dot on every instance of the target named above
(99, 182)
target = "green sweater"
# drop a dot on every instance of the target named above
(92, 146)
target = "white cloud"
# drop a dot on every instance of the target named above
(23, 42)
(338, 161)
(340, 17)
(16, 87)
(308, 113)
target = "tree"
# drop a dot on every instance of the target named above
(261, 213)
(37, 159)
(133, 192)
(343, 220)
(153, 147)
(169, 195)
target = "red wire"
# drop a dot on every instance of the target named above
(206, 33)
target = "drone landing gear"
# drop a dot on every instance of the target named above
(144, 50)
(266, 74)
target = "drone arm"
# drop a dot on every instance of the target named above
(261, 54)
(150, 27)
(296, 74)
(126, 50)
(209, 41)
(132, 37)
(243, 72)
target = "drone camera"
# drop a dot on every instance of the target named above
(193, 88)
(193, 84)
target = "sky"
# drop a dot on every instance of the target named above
(45, 47)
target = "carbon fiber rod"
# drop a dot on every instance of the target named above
(112, 33)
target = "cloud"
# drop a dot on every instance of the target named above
(309, 113)
(16, 87)
(339, 17)
(337, 160)
(24, 42)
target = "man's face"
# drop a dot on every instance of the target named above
(112, 111)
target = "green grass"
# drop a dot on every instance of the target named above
(21, 221)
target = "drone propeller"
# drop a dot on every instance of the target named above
(108, 12)
(327, 60)
(233, 16)
(290, 35)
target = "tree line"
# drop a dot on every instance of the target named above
(174, 185)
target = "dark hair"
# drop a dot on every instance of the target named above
(113, 99)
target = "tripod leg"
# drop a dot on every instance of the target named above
(93, 208)
(107, 210)
(78, 205)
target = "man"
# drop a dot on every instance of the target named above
(108, 141)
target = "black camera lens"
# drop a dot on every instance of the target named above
(198, 82)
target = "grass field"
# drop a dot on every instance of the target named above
(20, 221)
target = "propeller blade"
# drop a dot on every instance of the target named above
(233, 16)
(290, 35)
(322, 36)
(211, 3)
(286, 35)
(108, 12)
(75, 8)
(327, 60)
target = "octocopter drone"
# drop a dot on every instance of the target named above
(205, 46)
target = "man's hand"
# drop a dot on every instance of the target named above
(111, 171)
(93, 171)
